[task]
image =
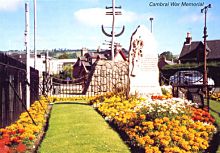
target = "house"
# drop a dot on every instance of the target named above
(81, 67)
(54, 66)
(57, 65)
(163, 62)
(84, 64)
(40, 60)
(119, 55)
(193, 51)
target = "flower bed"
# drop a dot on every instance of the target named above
(215, 96)
(21, 136)
(157, 124)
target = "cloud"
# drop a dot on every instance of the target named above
(195, 18)
(97, 17)
(10, 5)
(191, 18)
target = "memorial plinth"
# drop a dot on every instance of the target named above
(143, 60)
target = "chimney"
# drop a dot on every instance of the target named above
(188, 39)
(99, 49)
(83, 51)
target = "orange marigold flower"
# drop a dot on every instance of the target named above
(142, 116)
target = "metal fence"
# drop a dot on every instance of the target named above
(13, 89)
(67, 88)
(104, 76)
(188, 84)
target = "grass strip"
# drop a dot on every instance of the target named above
(215, 111)
(77, 128)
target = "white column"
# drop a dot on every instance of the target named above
(35, 33)
(26, 42)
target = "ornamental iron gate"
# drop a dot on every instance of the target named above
(104, 76)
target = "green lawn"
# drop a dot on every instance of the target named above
(77, 128)
(215, 111)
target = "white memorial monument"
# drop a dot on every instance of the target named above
(143, 60)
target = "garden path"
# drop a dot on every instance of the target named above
(75, 128)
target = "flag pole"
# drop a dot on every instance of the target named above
(27, 47)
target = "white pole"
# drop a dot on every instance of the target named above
(113, 29)
(35, 28)
(26, 42)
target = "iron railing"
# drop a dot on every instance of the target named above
(104, 76)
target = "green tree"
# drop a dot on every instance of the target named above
(72, 55)
(168, 55)
(67, 71)
(63, 56)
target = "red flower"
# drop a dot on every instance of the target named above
(5, 139)
(197, 118)
(202, 115)
(31, 138)
(3, 147)
(212, 119)
(159, 97)
(21, 147)
(16, 139)
(21, 131)
(12, 132)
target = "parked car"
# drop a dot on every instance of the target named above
(189, 77)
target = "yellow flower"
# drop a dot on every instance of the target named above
(150, 141)
(157, 120)
(163, 127)
(176, 138)
(164, 142)
(142, 117)
(166, 119)
(150, 125)
(167, 133)
(141, 141)
(203, 146)
(185, 145)
(195, 148)
(191, 136)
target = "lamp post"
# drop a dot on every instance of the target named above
(151, 19)
(205, 83)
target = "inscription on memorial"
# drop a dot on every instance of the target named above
(148, 64)
(143, 69)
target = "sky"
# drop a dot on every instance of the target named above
(74, 24)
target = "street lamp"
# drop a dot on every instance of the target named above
(205, 83)
(151, 19)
